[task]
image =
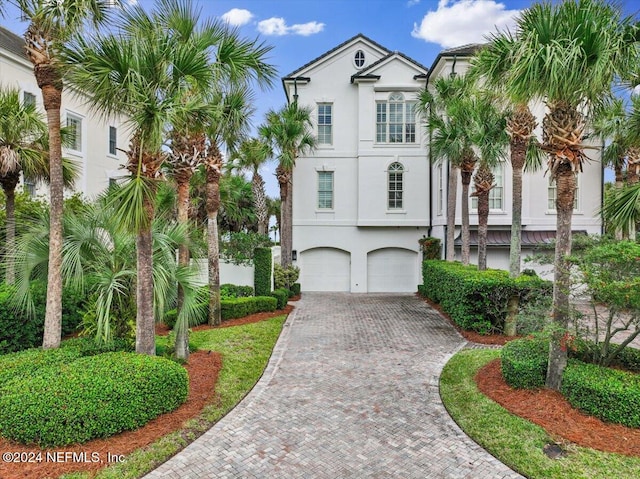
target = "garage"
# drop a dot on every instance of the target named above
(392, 270)
(325, 269)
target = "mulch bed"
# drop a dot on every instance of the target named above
(550, 410)
(203, 369)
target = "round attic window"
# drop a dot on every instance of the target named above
(358, 59)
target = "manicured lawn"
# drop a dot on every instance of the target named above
(245, 350)
(515, 441)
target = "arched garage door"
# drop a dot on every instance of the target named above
(392, 270)
(325, 269)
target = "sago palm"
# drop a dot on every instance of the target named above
(568, 55)
(288, 131)
(51, 24)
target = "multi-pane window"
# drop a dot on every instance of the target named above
(396, 120)
(74, 124)
(325, 190)
(113, 144)
(552, 195)
(30, 187)
(358, 59)
(395, 186)
(496, 194)
(325, 123)
(28, 99)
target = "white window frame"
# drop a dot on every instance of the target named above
(552, 192)
(113, 140)
(79, 133)
(496, 193)
(402, 130)
(32, 98)
(325, 129)
(395, 185)
(323, 190)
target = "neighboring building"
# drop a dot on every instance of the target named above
(368, 193)
(96, 141)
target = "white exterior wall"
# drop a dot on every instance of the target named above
(359, 236)
(95, 162)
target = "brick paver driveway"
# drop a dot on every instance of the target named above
(351, 391)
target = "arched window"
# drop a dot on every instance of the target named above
(395, 186)
(358, 59)
(396, 120)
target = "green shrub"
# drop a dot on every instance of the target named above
(235, 291)
(431, 247)
(26, 363)
(608, 394)
(295, 289)
(524, 363)
(92, 397)
(19, 330)
(282, 295)
(262, 271)
(477, 300)
(283, 278)
(241, 307)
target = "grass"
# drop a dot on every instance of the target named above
(516, 441)
(245, 352)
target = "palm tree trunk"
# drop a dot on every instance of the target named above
(145, 321)
(617, 168)
(10, 195)
(483, 222)
(182, 333)
(566, 187)
(518, 157)
(213, 205)
(286, 232)
(260, 201)
(466, 236)
(451, 212)
(52, 98)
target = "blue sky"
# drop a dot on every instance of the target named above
(301, 30)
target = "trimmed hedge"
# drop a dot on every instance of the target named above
(295, 289)
(229, 290)
(20, 331)
(608, 394)
(477, 300)
(282, 295)
(27, 363)
(241, 307)
(92, 397)
(262, 271)
(524, 363)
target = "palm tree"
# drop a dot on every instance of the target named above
(227, 128)
(237, 212)
(288, 133)
(490, 138)
(252, 155)
(144, 73)
(566, 54)
(491, 64)
(51, 25)
(274, 206)
(448, 119)
(20, 125)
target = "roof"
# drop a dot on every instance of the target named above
(11, 42)
(326, 54)
(467, 50)
(503, 237)
(364, 71)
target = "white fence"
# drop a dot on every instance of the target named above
(241, 275)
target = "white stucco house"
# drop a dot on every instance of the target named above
(368, 193)
(96, 141)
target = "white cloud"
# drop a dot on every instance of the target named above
(278, 26)
(306, 29)
(411, 3)
(237, 17)
(458, 22)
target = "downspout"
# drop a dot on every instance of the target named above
(430, 175)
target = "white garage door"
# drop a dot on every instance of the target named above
(392, 270)
(325, 269)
